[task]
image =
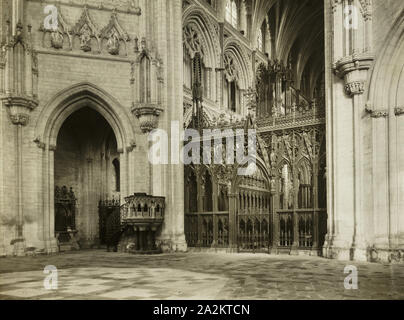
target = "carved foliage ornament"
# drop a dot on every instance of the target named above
(355, 87)
(366, 9)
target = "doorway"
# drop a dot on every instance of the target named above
(87, 163)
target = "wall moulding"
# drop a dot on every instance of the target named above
(383, 113)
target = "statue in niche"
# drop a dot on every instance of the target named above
(113, 43)
(85, 38)
(57, 39)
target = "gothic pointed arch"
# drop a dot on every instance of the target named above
(65, 102)
(241, 63)
(200, 33)
(387, 81)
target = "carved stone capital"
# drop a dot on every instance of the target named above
(376, 113)
(398, 111)
(148, 116)
(19, 102)
(19, 107)
(355, 87)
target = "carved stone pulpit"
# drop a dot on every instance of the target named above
(141, 216)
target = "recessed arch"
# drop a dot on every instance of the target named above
(233, 48)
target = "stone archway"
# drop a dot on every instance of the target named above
(86, 165)
(386, 110)
(51, 121)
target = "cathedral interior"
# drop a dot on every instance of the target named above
(319, 83)
(282, 206)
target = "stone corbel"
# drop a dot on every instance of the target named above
(354, 62)
(19, 108)
(148, 115)
(353, 69)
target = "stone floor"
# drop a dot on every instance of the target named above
(102, 275)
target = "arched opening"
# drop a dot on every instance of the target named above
(207, 199)
(305, 188)
(145, 80)
(191, 192)
(117, 174)
(87, 162)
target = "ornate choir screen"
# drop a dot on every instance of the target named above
(206, 207)
(282, 206)
(280, 213)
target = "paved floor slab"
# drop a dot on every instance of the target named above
(98, 274)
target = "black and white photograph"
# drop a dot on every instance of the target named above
(220, 151)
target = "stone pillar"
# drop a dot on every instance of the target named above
(170, 48)
(17, 95)
(345, 236)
